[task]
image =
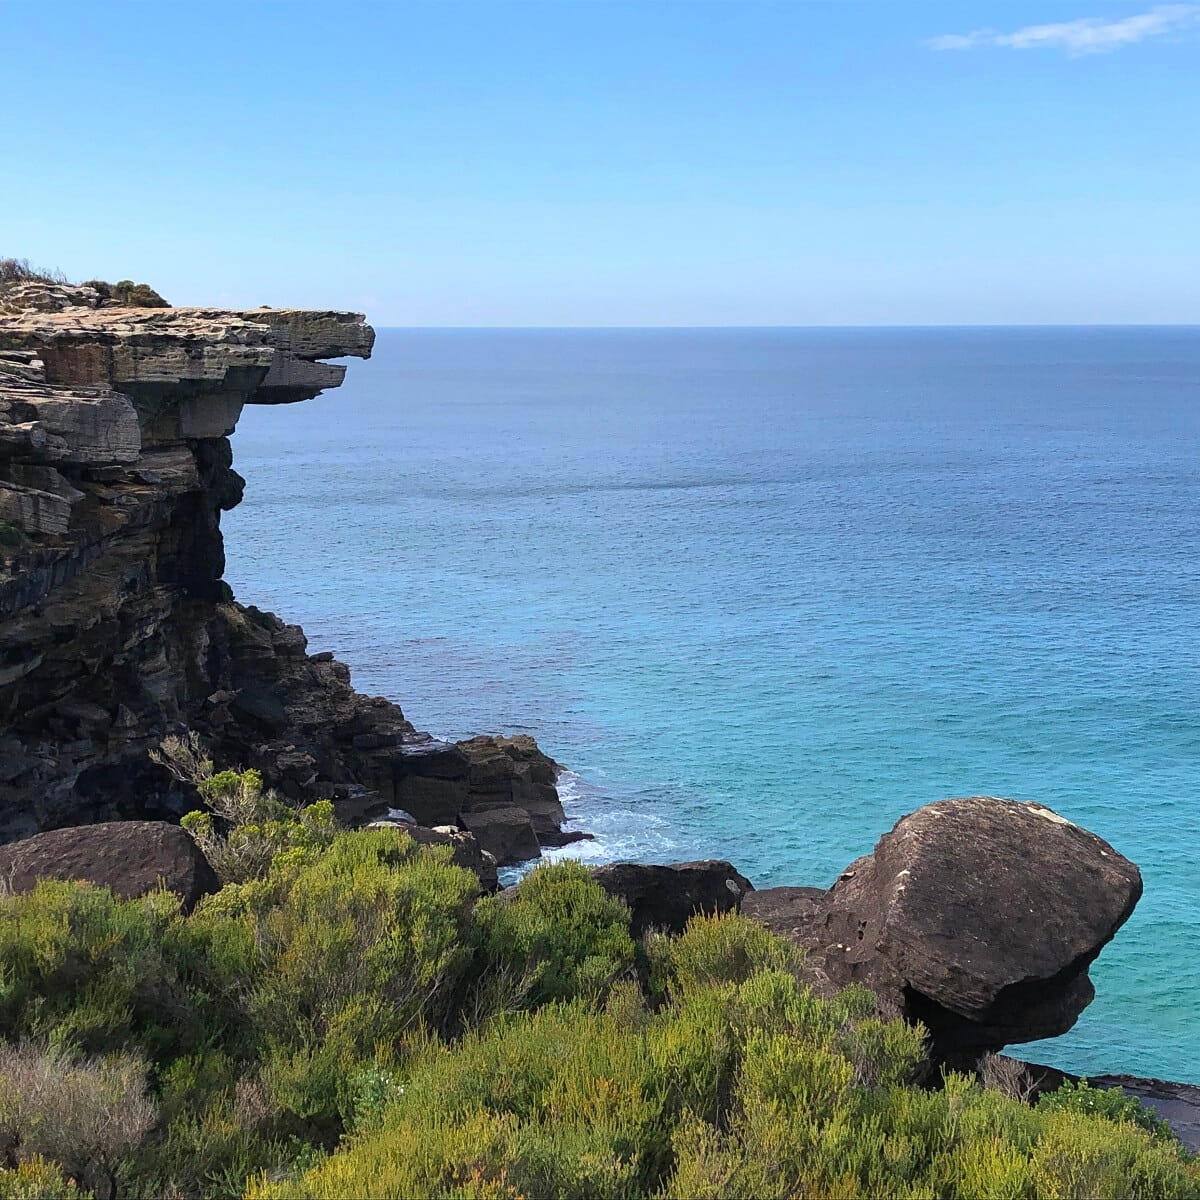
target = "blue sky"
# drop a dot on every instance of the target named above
(596, 162)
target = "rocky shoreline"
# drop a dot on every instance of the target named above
(978, 917)
(116, 626)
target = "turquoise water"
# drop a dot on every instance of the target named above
(765, 591)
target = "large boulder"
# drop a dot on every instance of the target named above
(130, 857)
(667, 897)
(504, 832)
(978, 917)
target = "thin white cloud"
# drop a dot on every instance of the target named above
(1088, 35)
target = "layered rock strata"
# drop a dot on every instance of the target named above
(116, 627)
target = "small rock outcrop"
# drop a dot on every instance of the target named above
(465, 849)
(506, 833)
(978, 917)
(116, 627)
(506, 772)
(667, 897)
(130, 857)
(787, 911)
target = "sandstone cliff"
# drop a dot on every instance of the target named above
(116, 627)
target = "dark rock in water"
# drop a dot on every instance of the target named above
(564, 837)
(512, 771)
(467, 851)
(129, 857)
(978, 917)
(668, 897)
(506, 833)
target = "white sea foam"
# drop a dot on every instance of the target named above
(622, 832)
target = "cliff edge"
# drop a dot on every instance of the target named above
(116, 627)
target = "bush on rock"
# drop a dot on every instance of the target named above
(347, 1017)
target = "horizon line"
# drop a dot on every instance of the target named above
(896, 325)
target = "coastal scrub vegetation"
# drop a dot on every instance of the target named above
(348, 1017)
(128, 294)
(125, 292)
(21, 270)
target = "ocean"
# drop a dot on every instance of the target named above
(763, 591)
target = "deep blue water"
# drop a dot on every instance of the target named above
(765, 591)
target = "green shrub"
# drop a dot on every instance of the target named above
(248, 826)
(137, 295)
(211, 1150)
(576, 1101)
(751, 1088)
(374, 1090)
(84, 969)
(335, 957)
(715, 949)
(128, 293)
(1112, 1103)
(36, 1179)
(561, 935)
(262, 1008)
(1088, 1155)
(468, 1121)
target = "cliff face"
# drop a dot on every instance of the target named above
(116, 627)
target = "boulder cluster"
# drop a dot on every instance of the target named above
(977, 917)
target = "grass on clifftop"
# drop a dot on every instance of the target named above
(351, 1019)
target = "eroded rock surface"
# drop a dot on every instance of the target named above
(116, 627)
(977, 916)
(787, 911)
(130, 857)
